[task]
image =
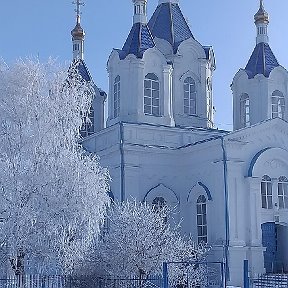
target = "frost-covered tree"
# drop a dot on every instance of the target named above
(139, 239)
(52, 194)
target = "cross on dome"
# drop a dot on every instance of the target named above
(78, 4)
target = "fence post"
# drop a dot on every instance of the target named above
(223, 282)
(246, 274)
(165, 275)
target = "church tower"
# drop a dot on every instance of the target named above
(139, 77)
(95, 119)
(260, 90)
(162, 75)
(193, 66)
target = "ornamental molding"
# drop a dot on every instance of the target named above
(161, 190)
(260, 130)
(275, 164)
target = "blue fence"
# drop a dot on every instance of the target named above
(264, 280)
(36, 281)
(269, 281)
(199, 274)
(175, 275)
(40, 281)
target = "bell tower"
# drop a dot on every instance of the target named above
(260, 89)
(95, 117)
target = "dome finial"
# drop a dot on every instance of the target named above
(261, 16)
(78, 33)
(261, 21)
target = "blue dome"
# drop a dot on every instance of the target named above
(168, 23)
(262, 61)
(138, 41)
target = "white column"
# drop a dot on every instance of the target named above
(255, 211)
(167, 93)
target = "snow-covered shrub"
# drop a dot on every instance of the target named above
(137, 242)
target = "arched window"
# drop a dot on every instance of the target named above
(278, 104)
(189, 96)
(266, 192)
(151, 95)
(116, 97)
(283, 192)
(88, 125)
(159, 203)
(245, 110)
(202, 219)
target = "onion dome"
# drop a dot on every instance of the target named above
(261, 16)
(78, 32)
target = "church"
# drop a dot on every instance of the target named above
(229, 188)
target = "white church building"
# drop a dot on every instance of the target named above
(230, 188)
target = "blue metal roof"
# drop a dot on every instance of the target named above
(262, 61)
(83, 70)
(139, 40)
(207, 50)
(168, 23)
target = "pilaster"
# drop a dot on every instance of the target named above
(255, 238)
(167, 93)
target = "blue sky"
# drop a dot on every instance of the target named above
(42, 28)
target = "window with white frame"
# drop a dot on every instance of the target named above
(266, 192)
(245, 110)
(116, 97)
(278, 104)
(151, 95)
(189, 96)
(202, 219)
(283, 192)
(88, 125)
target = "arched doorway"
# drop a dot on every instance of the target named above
(275, 240)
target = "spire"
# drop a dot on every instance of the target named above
(78, 34)
(140, 11)
(261, 21)
(168, 23)
(262, 60)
